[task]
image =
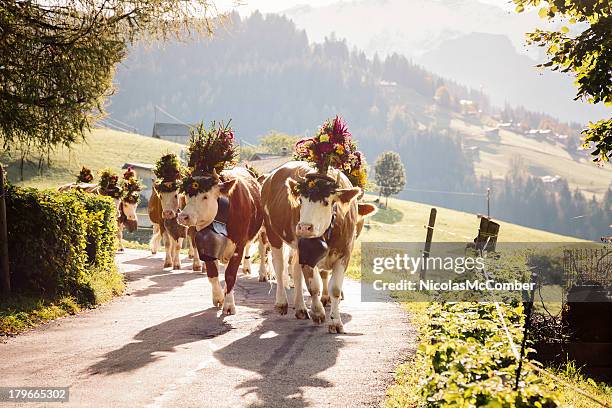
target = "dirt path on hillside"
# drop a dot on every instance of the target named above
(164, 345)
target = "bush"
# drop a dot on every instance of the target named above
(61, 243)
(470, 363)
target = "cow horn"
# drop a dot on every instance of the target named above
(338, 178)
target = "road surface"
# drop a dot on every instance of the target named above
(164, 345)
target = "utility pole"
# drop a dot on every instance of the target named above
(5, 277)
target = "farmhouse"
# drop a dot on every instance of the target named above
(173, 132)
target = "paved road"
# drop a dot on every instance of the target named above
(164, 345)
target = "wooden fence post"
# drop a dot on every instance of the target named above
(428, 239)
(5, 277)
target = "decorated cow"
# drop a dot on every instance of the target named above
(126, 208)
(223, 204)
(84, 182)
(164, 206)
(312, 206)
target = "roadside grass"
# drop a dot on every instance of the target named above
(21, 312)
(569, 397)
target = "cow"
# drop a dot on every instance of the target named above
(126, 218)
(288, 216)
(244, 221)
(163, 207)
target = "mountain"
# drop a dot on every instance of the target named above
(457, 39)
(491, 63)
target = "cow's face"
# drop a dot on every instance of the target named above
(129, 209)
(169, 203)
(201, 209)
(316, 215)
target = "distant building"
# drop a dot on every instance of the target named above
(492, 133)
(145, 173)
(172, 132)
(551, 179)
(266, 163)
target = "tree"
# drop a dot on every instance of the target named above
(58, 59)
(586, 52)
(277, 142)
(390, 174)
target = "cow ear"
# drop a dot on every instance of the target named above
(346, 195)
(226, 186)
(292, 186)
(366, 209)
(261, 178)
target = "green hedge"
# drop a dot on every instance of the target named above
(469, 361)
(62, 244)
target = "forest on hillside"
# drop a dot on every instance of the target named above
(264, 74)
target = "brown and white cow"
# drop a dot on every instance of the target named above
(164, 207)
(126, 218)
(289, 217)
(244, 222)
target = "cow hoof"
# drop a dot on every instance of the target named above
(229, 310)
(176, 267)
(317, 317)
(167, 264)
(282, 308)
(153, 252)
(190, 256)
(197, 268)
(246, 271)
(335, 328)
(217, 303)
(263, 278)
(326, 300)
(301, 314)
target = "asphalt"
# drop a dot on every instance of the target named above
(164, 345)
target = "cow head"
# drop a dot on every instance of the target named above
(128, 207)
(168, 193)
(317, 199)
(201, 195)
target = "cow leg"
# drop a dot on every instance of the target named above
(299, 304)
(246, 260)
(313, 282)
(335, 321)
(120, 237)
(212, 270)
(168, 246)
(263, 250)
(231, 272)
(288, 275)
(278, 263)
(191, 253)
(155, 239)
(325, 299)
(197, 265)
(176, 253)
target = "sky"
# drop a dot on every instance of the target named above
(272, 6)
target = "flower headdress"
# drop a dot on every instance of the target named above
(333, 147)
(168, 171)
(85, 175)
(109, 184)
(210, 152)
(131, 186)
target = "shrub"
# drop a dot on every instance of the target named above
(61, 243)
(470, 363)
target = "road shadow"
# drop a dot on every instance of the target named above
(166, 282)
(288, 354)
(164, 337)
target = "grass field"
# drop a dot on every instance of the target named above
(103, 148)
(541, 158)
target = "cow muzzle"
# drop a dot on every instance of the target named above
(304, 230)
(168, 214)
(185, 219)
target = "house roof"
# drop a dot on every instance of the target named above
(138, 166)
(171, 129)
(268, 165)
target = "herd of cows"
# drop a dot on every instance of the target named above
(315, 232)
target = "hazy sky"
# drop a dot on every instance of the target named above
(271, 6)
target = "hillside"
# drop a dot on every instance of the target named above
(542, 158)
(404, 221)
(103, 148)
